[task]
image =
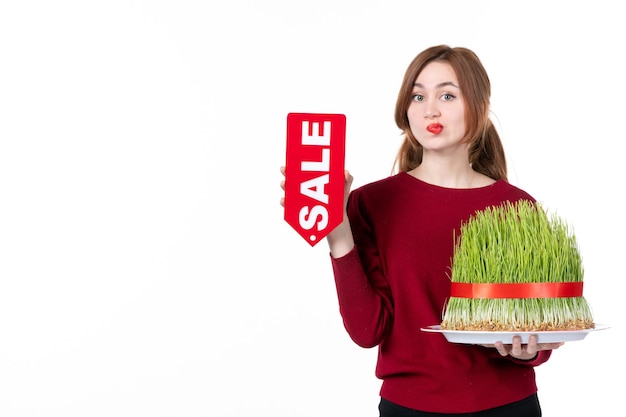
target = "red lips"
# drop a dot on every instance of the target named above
(435, 128)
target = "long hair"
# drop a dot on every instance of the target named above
(486, 153)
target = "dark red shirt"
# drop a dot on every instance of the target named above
(396, 281)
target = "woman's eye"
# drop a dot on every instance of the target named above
(417, 97)
(447, 97)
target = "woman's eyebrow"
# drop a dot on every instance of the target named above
(444, 84)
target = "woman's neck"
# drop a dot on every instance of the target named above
(449, 170)
(447, 175)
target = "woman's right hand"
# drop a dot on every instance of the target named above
(340, 239)
(282, 185)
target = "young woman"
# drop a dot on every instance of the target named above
(391, 255)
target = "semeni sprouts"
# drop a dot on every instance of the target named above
(517, 243)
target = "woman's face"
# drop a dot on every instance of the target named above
(437, 110)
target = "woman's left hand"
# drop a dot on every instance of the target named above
(524, 352)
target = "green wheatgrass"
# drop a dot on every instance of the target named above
(517, 243)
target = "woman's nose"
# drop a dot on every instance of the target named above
(431, 110)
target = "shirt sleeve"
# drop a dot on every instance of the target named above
(363, 292)
(542, 357)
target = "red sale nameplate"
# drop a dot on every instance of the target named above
(314, 173)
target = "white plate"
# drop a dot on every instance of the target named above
(488, 338)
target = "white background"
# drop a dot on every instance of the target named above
(145, 266)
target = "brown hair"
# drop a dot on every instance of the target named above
(486, 153)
